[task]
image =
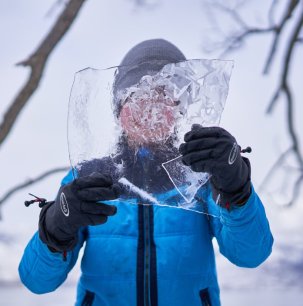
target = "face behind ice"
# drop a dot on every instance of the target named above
(148, 116)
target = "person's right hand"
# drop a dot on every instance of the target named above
(76, 206)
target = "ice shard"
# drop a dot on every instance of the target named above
(134, 133)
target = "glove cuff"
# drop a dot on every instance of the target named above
(49, 239)
(235, 198)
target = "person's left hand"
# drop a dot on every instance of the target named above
(215, 151)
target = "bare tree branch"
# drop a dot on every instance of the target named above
(37, 62)
(273, 168)
(29, 182)
(271, 12)
(293, 15)
(231, 11)
(284, 87)
(235, 41)
(55, 6)
(295, 191)
(146, 3)
(278, 29)
(271, 173)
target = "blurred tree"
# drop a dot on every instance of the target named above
(282, 24)
(37, 62)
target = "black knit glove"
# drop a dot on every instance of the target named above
(215, 151)
(76, 206)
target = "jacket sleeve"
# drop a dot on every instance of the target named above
(243, 233)
(42, 270)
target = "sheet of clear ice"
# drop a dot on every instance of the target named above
(192, 91)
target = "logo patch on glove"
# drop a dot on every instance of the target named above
(233, 153)
(64, 205)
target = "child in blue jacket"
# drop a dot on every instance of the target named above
(149, 255)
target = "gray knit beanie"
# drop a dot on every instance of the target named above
(146, 58)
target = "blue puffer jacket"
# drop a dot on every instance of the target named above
(152, 255)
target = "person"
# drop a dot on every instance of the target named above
(148, 255)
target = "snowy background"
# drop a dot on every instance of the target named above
(101, 35)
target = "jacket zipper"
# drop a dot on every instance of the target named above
(147, 239)
(205, 299)
(146, 255)
(88, 299)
